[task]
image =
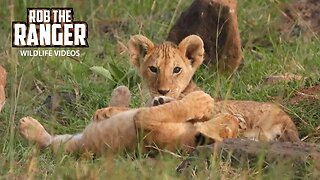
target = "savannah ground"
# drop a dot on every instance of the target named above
(63, 93)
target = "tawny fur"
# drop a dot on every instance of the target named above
(174, 124)
(263, 121)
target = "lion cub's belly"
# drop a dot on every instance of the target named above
(171, 136)
(115, 134)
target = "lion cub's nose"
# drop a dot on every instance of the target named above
(163, 92)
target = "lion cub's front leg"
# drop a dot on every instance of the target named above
(106, 113)
(220, 127)
(161, 100)
(195, 105)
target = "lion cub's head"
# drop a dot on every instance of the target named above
(167, 69)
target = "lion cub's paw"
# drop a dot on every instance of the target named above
(199, 104)
(242, 124)
(102, 114)
(120, 97)
(106, 113)
(34, 132)
(161, 100)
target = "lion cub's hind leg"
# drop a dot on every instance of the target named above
(34, 132)
(119, 102)
(120, 97)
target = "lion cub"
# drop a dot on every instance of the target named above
(167, 69)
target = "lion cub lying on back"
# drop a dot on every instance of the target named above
(167, 69)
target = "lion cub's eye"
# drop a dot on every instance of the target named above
(176, 70)
(153, 69)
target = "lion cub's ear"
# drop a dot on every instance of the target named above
(192, 48)
(138, 47)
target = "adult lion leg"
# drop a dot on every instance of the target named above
(119, 102)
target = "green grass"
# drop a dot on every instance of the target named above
(32, 80)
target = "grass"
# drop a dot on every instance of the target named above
(31, 80)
